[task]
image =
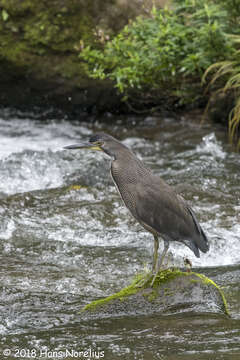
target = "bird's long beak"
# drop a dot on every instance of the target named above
(84, 145)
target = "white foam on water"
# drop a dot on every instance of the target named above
(31, 154)
(211, 146)
(7, 227)
(19, 135)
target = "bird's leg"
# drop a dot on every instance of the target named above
(155, 254)
(144, 281)
(165, 249)
(160, 261)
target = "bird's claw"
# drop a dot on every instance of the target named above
(153, 279)
(148, 280)
(143, 282)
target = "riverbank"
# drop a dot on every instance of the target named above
(77, 59)
(40, 47)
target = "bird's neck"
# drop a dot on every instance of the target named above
(127, 167)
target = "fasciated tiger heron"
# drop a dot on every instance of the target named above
(152, 202)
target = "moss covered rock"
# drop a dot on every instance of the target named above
(174, 291)
(40, 42)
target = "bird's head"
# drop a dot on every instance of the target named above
(101, 142)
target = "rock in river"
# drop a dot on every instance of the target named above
(174, 291)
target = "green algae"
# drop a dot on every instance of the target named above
(163, 277)
(208, 281)
(41, 43)
(125, 292)
(43, 38)
(135, 287)
(166, 275)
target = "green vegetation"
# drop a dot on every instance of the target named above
(228, 71)
(136, 286)
(208, 281)
(143, 281)
(44, 39)
(165, 56)
(40, 45)
(129, 290)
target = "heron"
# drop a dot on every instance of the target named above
(151, 201)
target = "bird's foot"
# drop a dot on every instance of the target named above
(160, 274)
(144, 281)
(149, 279)
(157, 273)
(153, 279)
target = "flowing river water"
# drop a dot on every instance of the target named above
(66, 239)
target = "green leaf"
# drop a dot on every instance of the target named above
(5, 15)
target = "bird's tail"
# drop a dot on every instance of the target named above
(200, 241)
(203, 244)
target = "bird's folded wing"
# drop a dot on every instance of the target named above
(162, 209)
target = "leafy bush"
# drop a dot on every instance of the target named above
(166, 53)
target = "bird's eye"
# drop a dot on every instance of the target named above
(98, 143)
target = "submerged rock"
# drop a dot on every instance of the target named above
(174, 291)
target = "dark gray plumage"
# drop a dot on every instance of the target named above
(152, 202)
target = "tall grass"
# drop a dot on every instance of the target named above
(228, 73)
